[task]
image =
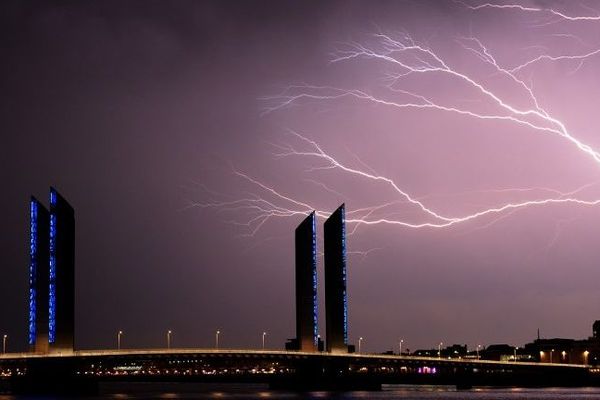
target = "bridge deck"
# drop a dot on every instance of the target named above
(279, 353)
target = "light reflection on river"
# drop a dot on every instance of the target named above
(251, 392)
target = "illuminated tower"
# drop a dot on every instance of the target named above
(306, 284)
(38, 276)
(336, 302)
(61, 314)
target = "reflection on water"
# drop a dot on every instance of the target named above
(140, 391)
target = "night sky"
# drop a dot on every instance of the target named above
(184, 134)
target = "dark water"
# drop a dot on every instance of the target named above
(405, 392)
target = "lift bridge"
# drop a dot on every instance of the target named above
(53, 365)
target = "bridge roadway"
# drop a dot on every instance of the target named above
(288, 369)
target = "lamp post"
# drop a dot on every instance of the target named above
(440, 350)
(217, 339)
(169, 333)
(4, 343)
(478, 347)
(585, 357)
(360, 339)
(400, 343)
(263, 340)
(564, 356)
(551, 354)
(515, 354)
(119, 334)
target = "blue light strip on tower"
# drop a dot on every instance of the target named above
(314, 280)
(52, 286)
(343, 212)
(33, 212)
(52, 197)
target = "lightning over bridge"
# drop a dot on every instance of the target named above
(408, 65)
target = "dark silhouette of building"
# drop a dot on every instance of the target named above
(336, 302)
(38, 276)
(454, 351)
(596, 330)
(62, 274)
(306, 284)
(498, 352)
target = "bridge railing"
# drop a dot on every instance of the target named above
(207, 351)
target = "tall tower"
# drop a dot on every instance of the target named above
(38, 276)
(61, 311)
(306, 284)
(336, 302)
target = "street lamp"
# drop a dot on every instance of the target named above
(4, 343)
(551, 354)
(478, 347)
(541, 356)
(440, 350)
(564, 356)
(585, 357)
(217, 339)
(119, 334)
(263, 339)
(169, 333)
(401, 341)
(515, 353)
(360, 339)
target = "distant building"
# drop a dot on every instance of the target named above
(596, 330)
(61, 325)
(564, 351)
(498, 352)
(454, 351)
(336, 301)
(425, 353)
(306, 285)
(38, 276)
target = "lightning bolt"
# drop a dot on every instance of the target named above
(391, 52)
(519, 7)
(405, 57)
(263, 209)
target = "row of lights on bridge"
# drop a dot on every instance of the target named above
(170, 335)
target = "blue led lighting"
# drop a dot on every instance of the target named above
(52, 197)
(32, 270)
(314, 280)
(345, 296)
(52, 286)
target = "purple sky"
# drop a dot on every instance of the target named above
(139, 113)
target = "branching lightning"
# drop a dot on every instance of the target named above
(405, 57)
